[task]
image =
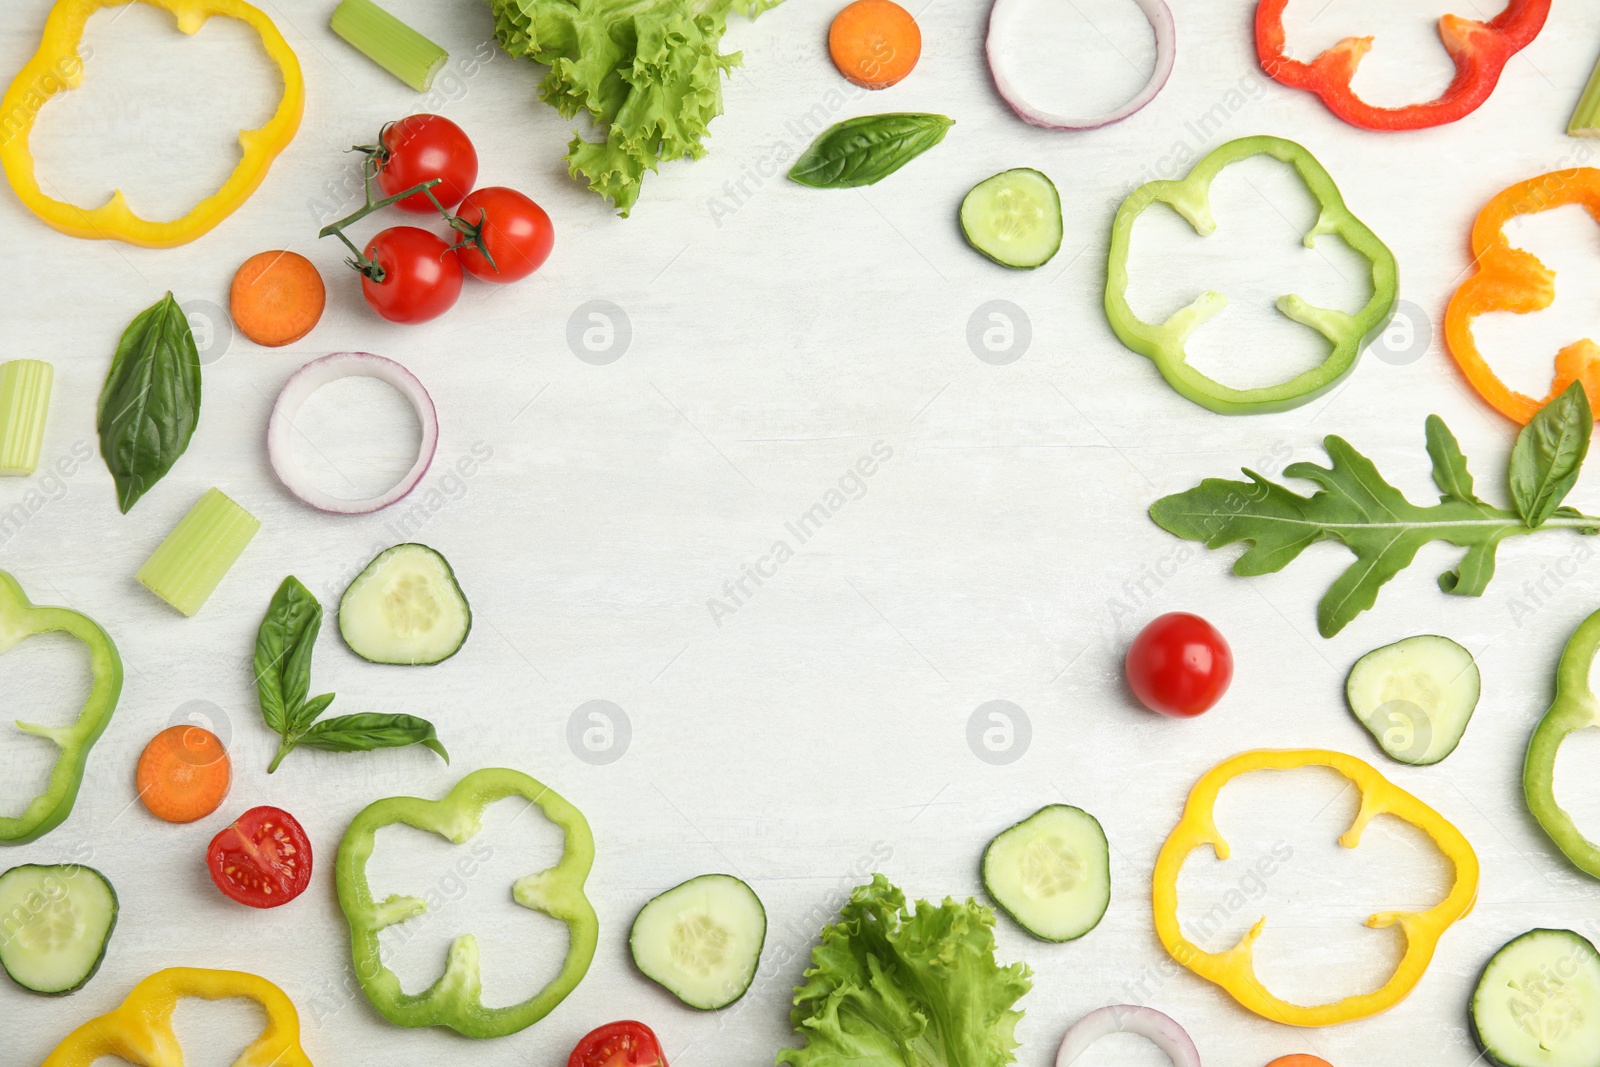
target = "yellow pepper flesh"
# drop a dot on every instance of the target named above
(57, 66)
(1234, 970)
(139, 1029)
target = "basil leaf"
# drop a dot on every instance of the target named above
(283, 653)
(370, 730)
(1450, 472)
(1548, 455)
(867, 149)
(309, 712)
(151, 400)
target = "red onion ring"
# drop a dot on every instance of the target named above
(313, 376)
(1160, 16)
(1159, 1029)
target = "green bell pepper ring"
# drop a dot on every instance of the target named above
(1574, 708)
(20, 620)
(1164, 343)
(455, 1000)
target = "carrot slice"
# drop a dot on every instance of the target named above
(874, 43)
(184, 774)
(1300, 1059)
(276, 298)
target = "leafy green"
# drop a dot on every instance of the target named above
(1548, 455)
(647, 72)
(1355, 506)
(150, 402)
(893, 988)
(867, 149)
(284, 643)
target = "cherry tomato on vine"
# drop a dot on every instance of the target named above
(420, 272)
(622, 1044)
(1179, 665)
(263, 859)
(515, 230)
(420, 147)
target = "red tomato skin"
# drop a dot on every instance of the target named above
(1179, 665)
(421, 275)
(420, 147)
(516, 230)
(248, 825)
(620, 1044)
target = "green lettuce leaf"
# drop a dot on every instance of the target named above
(648, 72)
(896, 988)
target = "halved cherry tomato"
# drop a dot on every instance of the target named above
(621, 1044)
(420, 147)
(420, 275)
(263, 859)
(1179, 665)
(515, 230)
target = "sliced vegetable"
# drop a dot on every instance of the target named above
(1575, 707)
(454, 1000)
(186, 568)
(1300, 1059)
(418, 149)
(1480, 51)
(1003, 19)
(276, 298)
(184, 774)
(874, 43)
(150, 403)
(1586, 116)
(390, 43)
(262, 859)
(621, 1044)
(1014, 218)
(58, 65)
(1179, 665)
(20, 620)
(24, 403)
(1234, 969)
(1159, 1029)
(864, 150)
(405, 607)
(1415, 697)
(701, 941)
(1166, 343)
(1051, 872)
(313, 376)
(1538, 1002)
(57, 922)
(903, 988)
(1356, 507)
(507, 236)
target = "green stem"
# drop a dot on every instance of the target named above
(336, 229)
(285, 746)
(1586, 118)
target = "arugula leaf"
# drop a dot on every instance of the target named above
(150, 402)
(1549, 453)
(367, 731)
(1355, 506)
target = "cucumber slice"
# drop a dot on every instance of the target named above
(1051, 872)
(1415, 697)
(55, 923)
(1014, 218)
(1538, 1002)
(405, 607)
(701, 940)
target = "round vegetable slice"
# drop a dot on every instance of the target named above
(701, 940)
(620, 1044)
(313, 376)
(1415, 697)
(1160, 1029)
(276, 298)
(1014, 218)
(874, 43)
(1051, 872)
(184, 774)
(1002, 19)
(405, 608)
(55, 923)
(1538, 1002)
(262, 860)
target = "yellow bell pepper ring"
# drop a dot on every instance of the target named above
(139, 1030)
(57, 65)
(1234, 970)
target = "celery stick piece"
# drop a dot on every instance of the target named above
(1586, 119)
(186, 567)
(390, 43)
(24, 400)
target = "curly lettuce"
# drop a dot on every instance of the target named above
(896, 988)
(648, 72)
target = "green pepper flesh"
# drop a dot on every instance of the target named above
(1574, 708)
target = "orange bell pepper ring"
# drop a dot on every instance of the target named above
(1234, 970)
(1512, 279)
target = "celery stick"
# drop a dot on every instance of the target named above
(1586, 119)
(390, 43)
(187, 566)
(24, 400)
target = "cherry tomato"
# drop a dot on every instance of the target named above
(516, 231)
(421, 275)
(623, 1044)
(1179, 665)
(421, 147)
(263, 859)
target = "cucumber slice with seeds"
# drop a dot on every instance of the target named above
(55, 923)
(1415, 697)
(1538, 1002)
(1014, 218)
(405, 608)
(701, 940)
(1051, 872)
